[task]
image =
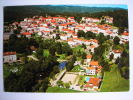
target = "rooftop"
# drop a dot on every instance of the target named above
(9, 53)
(94, 63)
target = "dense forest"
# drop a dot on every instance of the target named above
(35, 78)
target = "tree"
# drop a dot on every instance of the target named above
(90, 35)
(117, 60)
(78, 18)
(102, 22)
(25, 83)
(67, 85)
(111, 56)
(71, 63)
(52, 75)
(83, 46)
(84, 55)
(106, 65)
(44, 85)
(125, 72)
(81, 33)
(101, 38)
(56, 69)
(60, 83)
(16, 31)
(121, 30)
(66, 49)
(57, 37)
(116, 40)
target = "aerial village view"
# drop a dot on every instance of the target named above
(65, 50)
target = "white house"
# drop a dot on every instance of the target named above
(91, 71)
(117, 53)
(9, 57)
(88, 58)
(92, 84)
(27, 34)
(71, 42)
(124, 36)
(63, 36)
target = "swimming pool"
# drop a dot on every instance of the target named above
(62, 65)
(87, 79)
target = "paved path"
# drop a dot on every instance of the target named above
(30, 56)
(53, 82)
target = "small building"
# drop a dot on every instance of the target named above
(117, 53)
(124, 37)
(94, 64)
(63, 36)
(9, 57)
(91, 71)
(88, 58)
(92, 84)
(27, 34)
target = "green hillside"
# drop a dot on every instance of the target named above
(113, 82)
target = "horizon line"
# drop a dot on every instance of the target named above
(95, 5)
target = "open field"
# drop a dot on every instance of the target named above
(113, 82)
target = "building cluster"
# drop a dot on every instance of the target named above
(66, 30)
(92, 84)
(91, 67)
(107, 19)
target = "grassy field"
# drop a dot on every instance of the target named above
(113, 82)
(60, 90)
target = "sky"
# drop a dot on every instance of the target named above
(102, 5)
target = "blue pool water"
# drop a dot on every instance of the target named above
(62, 65)
(87, 79)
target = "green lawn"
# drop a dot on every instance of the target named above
(78, 48)
(113, 82)
(76, 68)
(46, 53)
(59, 90)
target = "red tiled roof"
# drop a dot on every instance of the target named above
(53, 21)
(71, 23)
(63, 25)
(92, 46)
(46, 31)
(94, 40)
(63, 34)
(99, 67)
(71, 17)
(71, 31)
(94, 63)
(70, 40)
(26, 33)
(65, 29)
(94, 81)
(90, 68)
(9, 53)
(125, 33)
(117, 51)
(89, 56)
